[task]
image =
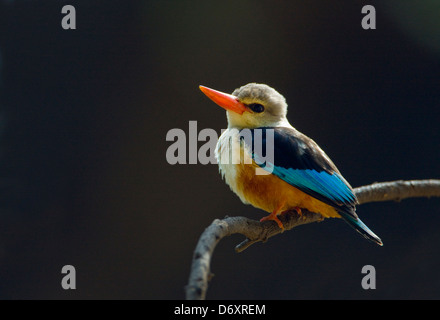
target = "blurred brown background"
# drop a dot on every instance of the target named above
(84, 114)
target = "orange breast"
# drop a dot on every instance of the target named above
(268, 192)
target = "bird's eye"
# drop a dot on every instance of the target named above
(256, 107)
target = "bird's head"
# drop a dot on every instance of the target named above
(251, 106)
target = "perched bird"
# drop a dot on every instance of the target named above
(300, 175)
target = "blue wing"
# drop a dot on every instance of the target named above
(300, 162)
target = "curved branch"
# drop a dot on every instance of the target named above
(256, 231)
(398, 190)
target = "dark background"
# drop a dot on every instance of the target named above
(84, 113)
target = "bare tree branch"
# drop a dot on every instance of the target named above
(255, 231)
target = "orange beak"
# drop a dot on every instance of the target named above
(224, 100)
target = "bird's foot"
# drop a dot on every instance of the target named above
(273, 216)
(298, 210)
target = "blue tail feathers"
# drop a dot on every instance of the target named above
(360, 227)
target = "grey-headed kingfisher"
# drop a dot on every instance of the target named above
(301, 176)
